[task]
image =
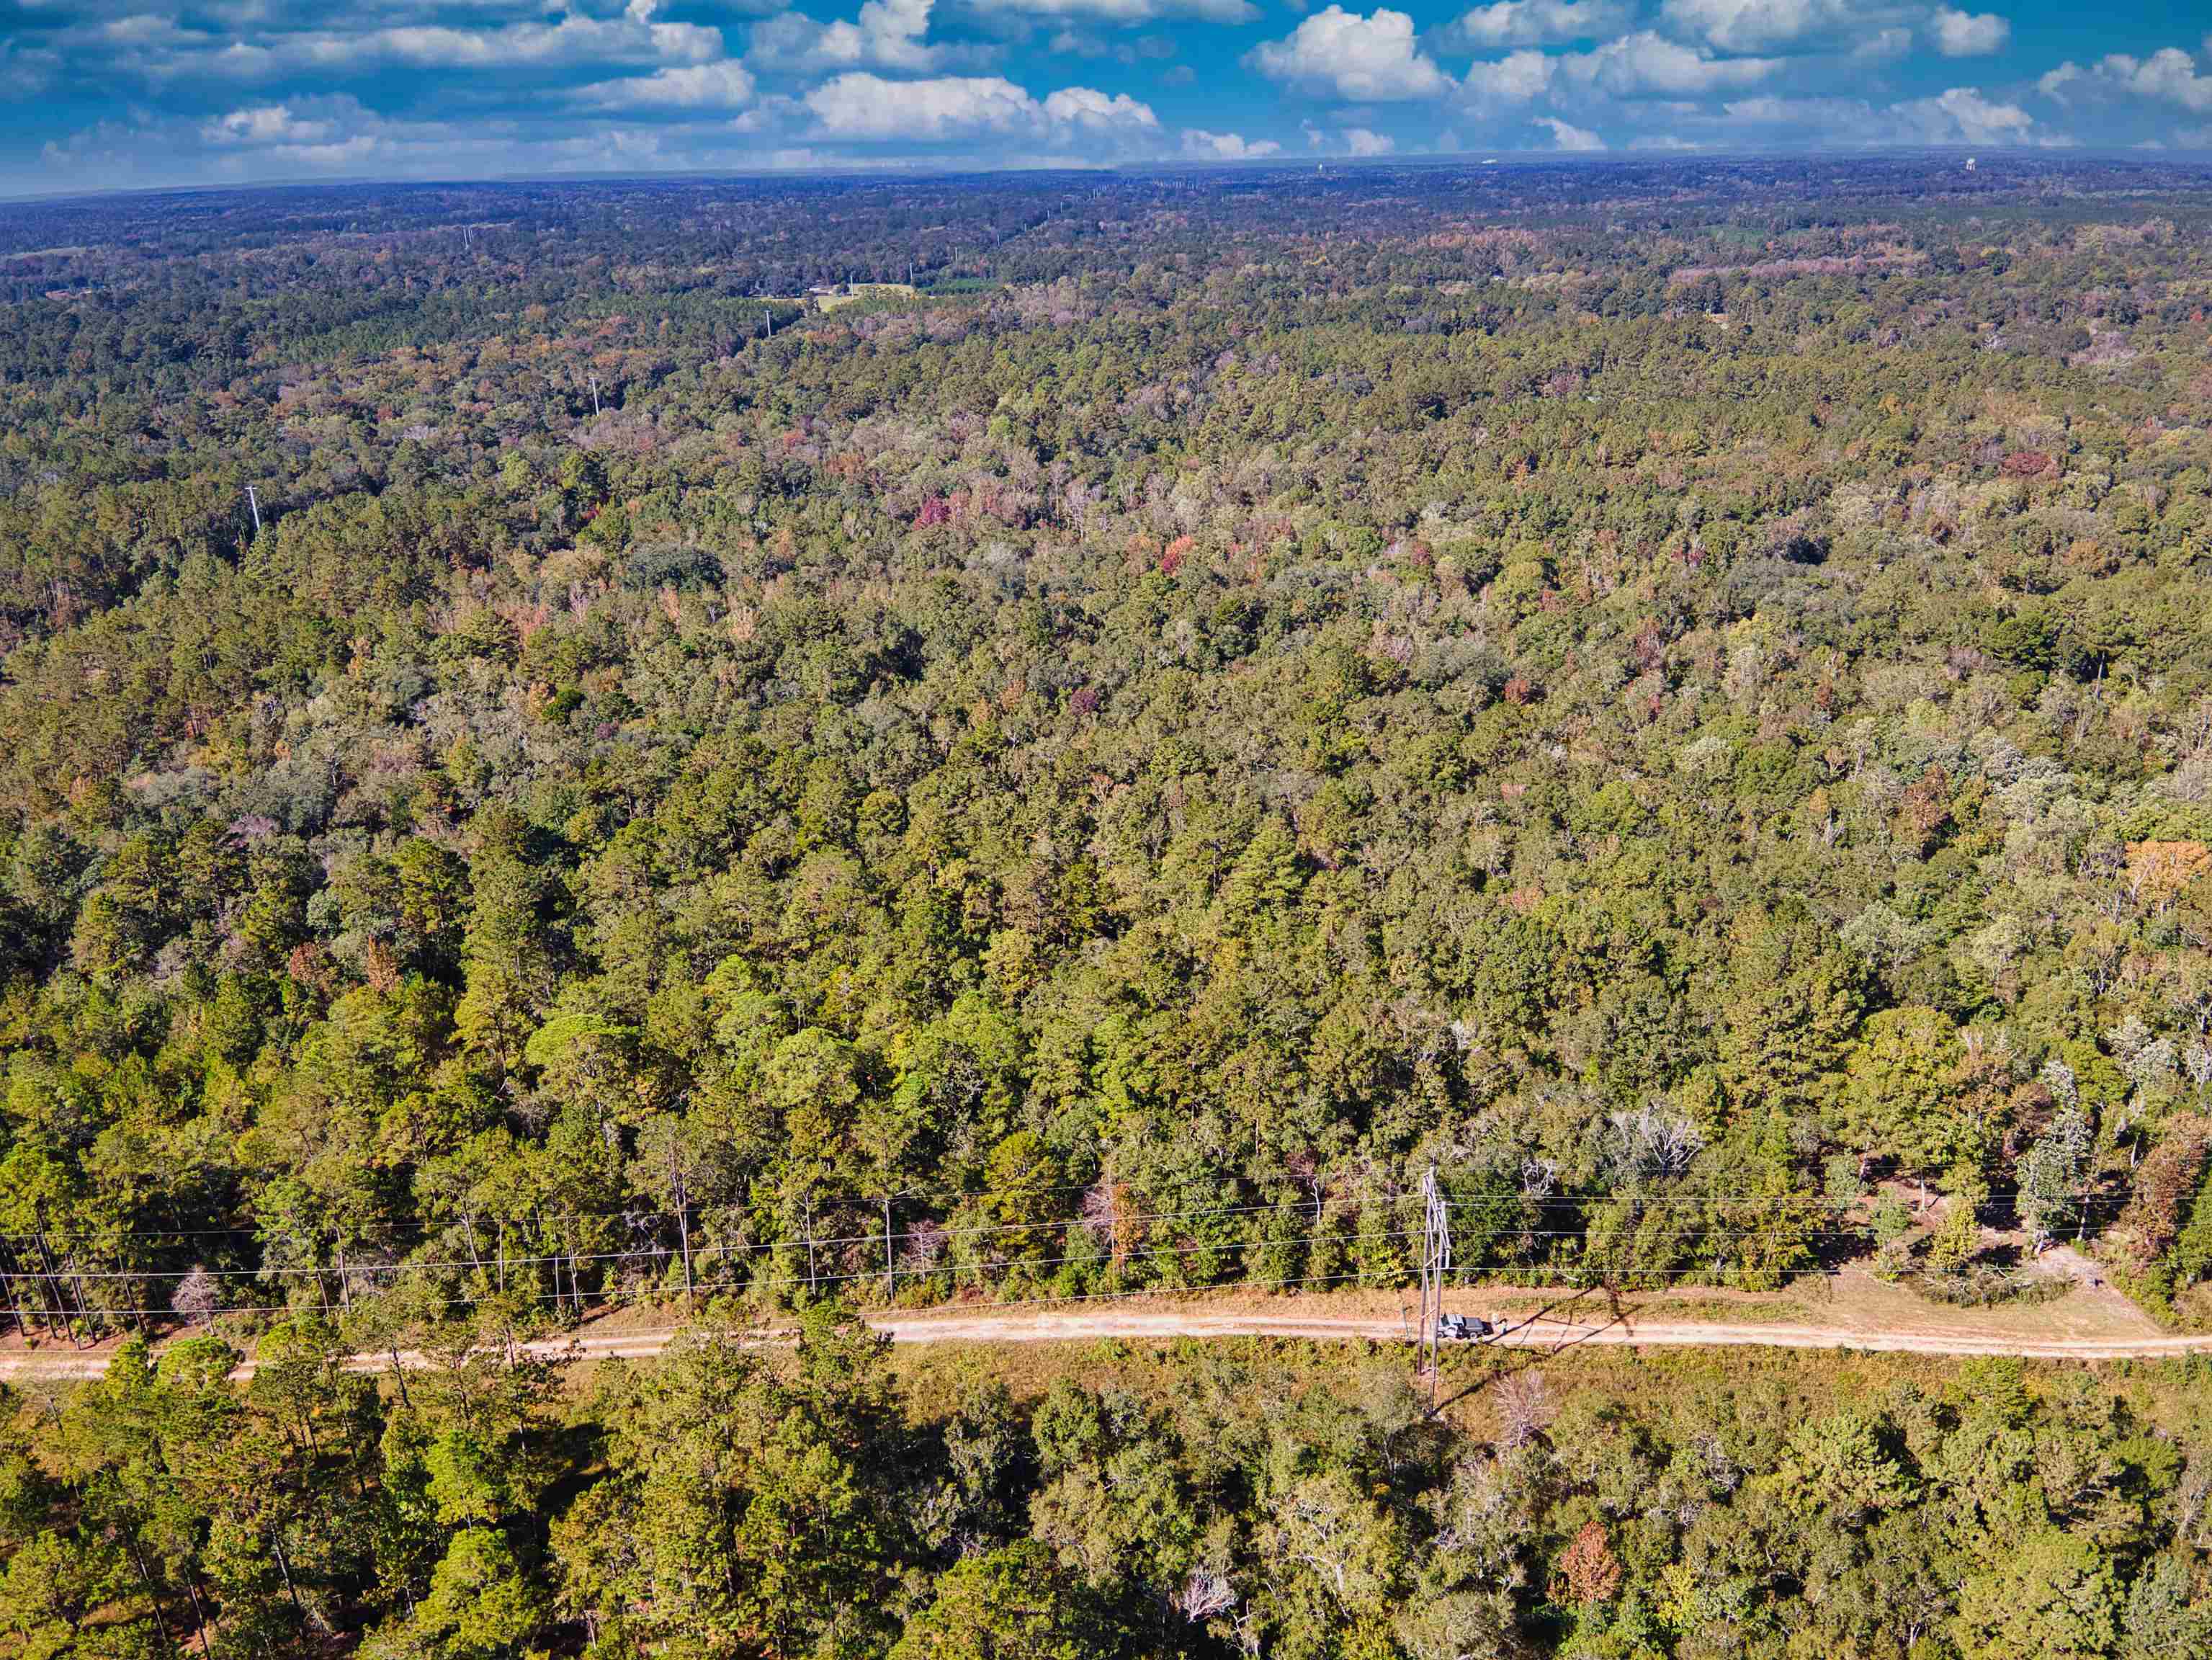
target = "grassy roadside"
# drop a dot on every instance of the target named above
(2168, 1394)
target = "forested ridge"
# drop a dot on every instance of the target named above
(1678, 697)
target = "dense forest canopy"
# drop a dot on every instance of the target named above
(1668, 706)
(1678, 696)
(777, 745)
(1215, 1501)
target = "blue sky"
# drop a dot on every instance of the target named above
(122, 94)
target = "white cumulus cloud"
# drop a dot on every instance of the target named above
(1123, 11)
(1646, 63)
(332, 134)
(1837, 119)
(2169, 76)
(1519, 77)
(1361, 140)
(1225, 146)
(2056, 83)
(1963, 115)
(1567, 136)
(866, 108)
(1542, 22)
(1365, 58)
(1081, 107)
(722, 86)
(1752, 25)
(888, 34)
(574, 39)
(1960, 115)
(1968, 34)
(268, 123)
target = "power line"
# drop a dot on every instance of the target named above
(784, 1245)
(1050, 1225)
(812, 1281)
(649, 1214)
(817, 1280)
(1625, 1279)
(541, 1223)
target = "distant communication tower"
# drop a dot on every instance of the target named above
(253, 502)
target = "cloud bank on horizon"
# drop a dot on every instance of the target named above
(123, 94)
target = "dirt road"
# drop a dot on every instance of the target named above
(1286, 1317)
(1539, 1332)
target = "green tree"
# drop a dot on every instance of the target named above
(2053, 1595)
(1014, 1600)
(1900, 1093)
(480, 1606)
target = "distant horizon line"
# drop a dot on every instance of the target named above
(890, 172)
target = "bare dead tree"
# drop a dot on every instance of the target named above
(1525, 1408)
(197, 1297)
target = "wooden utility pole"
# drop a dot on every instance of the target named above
(94, 1323)
(683, 1231)
(9, 1290)
(891, 1261)
(58, 1295)
(812, 1287)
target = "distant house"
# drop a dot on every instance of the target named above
(828, 296)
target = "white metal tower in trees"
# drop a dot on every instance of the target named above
(1435, 1264)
